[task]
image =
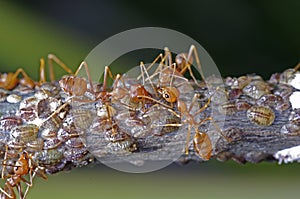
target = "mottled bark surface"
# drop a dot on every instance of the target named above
(250, 142)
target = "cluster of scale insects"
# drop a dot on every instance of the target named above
(262, 99)
(52, 128)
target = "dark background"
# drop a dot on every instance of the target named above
(241, 36)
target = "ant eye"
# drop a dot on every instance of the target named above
(166, 96)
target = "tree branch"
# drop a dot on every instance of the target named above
(249, 142)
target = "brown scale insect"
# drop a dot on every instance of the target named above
(16, 144)
(35, 145)
(9, 122)
(261, 115)
(273, 101)
(49, 158)
(68, 129)
(256, 88)
(242, 105)
(24, 133)
(228, 108)
(50, 139)
(234, 93)
(76, 88)
(75, 151)
(27, 109)
(237, 83)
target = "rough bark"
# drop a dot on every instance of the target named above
(249, 142)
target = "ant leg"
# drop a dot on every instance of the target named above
(32, 177)
(114, 132)
(216, 126)
(57, 111)
(9, 188)
(27, 80)
(203, 107)
(173, 74)
(162, 59)
(20, 191)
(4, 161)
(297, 67)
(51, 58)
(168, 54)
(42, 72)
(87, 72)
(40, 172)
(116, 81)
(194, 100)
(28, 183)
(187, 140)
(192, 51)
(144, 70)
(107, 72)
(154, 100)
(206, 104)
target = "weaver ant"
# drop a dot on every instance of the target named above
(183, 62)
(23, 166)
(10, 80)
(171, 95)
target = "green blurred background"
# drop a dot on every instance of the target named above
(241, 36)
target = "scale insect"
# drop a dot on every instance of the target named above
(77, 87)
(261, 115)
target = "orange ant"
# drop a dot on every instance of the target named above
(201, 141)
(23, 166)
(10, 80)
(183, 62)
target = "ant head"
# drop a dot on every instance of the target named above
(138, 90)
(170, 94)
(103, 96)
(24, 155)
